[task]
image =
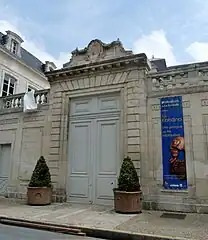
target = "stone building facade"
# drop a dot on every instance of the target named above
(20, 71)
(102, 106)
(190, 82)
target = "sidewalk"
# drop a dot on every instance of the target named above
(194, 226)
(64, 213)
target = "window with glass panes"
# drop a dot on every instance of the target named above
(8, 85)
(14, 47)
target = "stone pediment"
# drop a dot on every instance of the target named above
(97, 51)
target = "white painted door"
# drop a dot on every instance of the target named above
(80, 152)
(93, 150)
(5, 160)
(106, 159)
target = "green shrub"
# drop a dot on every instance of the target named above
(41, 176)
(128, 179)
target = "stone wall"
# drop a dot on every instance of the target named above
(190, 82)
(28, 134)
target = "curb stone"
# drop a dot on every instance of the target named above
(84, 231)
(124, 235)
(41, 226)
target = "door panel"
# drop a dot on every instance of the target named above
(5, 160)
(107, 147)
(80, 157)
(107, 156)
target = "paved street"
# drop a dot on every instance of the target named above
(17, 233)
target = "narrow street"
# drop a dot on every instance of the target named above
(18, 233)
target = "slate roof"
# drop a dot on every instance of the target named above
(159, 63)
(26, 57)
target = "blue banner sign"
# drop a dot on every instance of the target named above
(173, 145)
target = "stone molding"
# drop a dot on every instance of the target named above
(178, 91)
(139, 61)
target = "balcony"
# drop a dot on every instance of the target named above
(15, 103)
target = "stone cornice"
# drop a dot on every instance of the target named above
(138, 60)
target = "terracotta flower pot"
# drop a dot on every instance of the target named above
(39, 195)
(127, 202)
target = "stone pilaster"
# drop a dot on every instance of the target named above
(56, 114)
(135, 111)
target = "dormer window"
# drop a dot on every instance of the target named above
(13, 43)
(14, 47)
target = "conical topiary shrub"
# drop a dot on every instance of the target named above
(41, 176)
(128, 179)
(128, 196)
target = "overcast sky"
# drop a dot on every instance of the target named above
(173, 29)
